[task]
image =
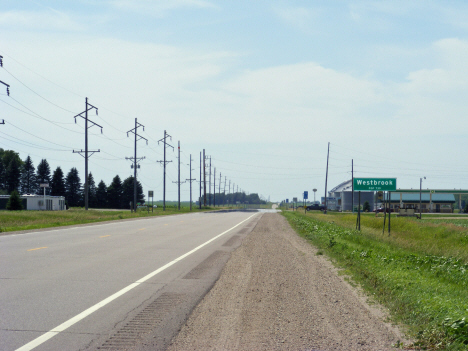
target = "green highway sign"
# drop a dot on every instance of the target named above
(374, 184)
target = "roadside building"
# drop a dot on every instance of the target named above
(342, 197)
(37, 202)
(438, 202)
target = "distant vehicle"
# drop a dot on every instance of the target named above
(155, 206)
(381, 209)
(315, 207)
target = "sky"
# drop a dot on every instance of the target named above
(262, 86)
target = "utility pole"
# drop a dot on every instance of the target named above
(199, 198)
(178, 181)
(135, 160)
(87, 153)
(204, 178)
(225, 189)
(352, 185)
(164, 162)
(229, 190)
(214, 187)
(191, 180)
(209, 185)
(219, 191)
(5, 84)
(326, 180)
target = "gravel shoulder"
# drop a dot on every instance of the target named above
(275, 293)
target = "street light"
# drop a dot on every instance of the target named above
(420, 197)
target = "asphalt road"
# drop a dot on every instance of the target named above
(114, 285)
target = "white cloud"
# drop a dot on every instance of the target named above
(159, 7)
(29, 20)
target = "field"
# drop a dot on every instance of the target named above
(419, 271)
(23, 220)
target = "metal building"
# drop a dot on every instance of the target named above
(343, 194)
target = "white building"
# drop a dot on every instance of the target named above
(37, 202)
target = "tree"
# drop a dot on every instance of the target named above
(366, 206)
(101, 195)
(14, 202)
(42, 175)
(12, 175)
(28, 177)
(127, 191)
(2, 178)
(73, 188)
(10, 170)
(58, 183)
(92, 198)
(114, 193)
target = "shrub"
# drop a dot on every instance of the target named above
(14, 202)
(366, 207)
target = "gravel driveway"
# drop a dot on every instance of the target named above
(275, 293)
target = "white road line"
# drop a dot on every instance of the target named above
(53, 332)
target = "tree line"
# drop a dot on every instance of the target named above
(22, 176)
(230, 199)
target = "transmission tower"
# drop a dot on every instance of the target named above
(209, 185)
(178, 181)
(164, 162)
(204, 178)
(219, 191)
(191, 180)
(86, 152)
(200, 181)
(7, 86)
(135, 160)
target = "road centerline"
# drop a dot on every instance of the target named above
(37, 248)
(55, 331)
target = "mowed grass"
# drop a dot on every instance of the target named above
(420, 271)
(24, 220)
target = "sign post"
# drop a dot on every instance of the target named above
(375, 184)
(44, 185)
(151, 195)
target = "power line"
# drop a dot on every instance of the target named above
(86, 152)
(135, 160)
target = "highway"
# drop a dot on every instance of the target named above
(114, 285)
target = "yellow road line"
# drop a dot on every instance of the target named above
(166, 224)
(38, 248)
(142, 229)
(104, 236)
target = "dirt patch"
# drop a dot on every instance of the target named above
(275, 293)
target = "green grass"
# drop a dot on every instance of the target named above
(420, 271)
(24, 220)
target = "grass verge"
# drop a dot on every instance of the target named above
(424, 291)
(24, 220)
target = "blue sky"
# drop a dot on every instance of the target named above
(263, 86)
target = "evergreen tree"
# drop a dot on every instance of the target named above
(14, 202)
(101, 195)
(43, 176)
(127, 190)
(28, 177)
(114, 193)
(73, 188)
(2, 177)
(12, 175)
(58, 183)
(92, 198)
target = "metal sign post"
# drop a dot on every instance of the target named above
(151, 195)
(44, 185)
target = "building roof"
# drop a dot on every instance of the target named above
(346, 185)
(414, 198)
